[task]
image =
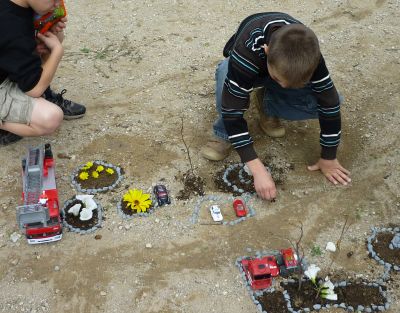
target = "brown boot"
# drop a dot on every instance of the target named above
(269, 125)
(216, 149)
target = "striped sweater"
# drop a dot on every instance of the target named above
(247, 63)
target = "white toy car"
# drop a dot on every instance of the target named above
(216, 213)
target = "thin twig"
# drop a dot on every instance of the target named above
(186, 147)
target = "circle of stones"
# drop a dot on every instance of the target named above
(141, 214)
(229, 169)
(76, 229)
(246, 198)
(393, 245)
(92, 191)
(254, 294)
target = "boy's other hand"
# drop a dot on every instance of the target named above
(59, 26)
(332, 170)
(50, 40)
(263, 182)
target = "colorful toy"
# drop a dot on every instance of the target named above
(39, 216)
(240, 208)
(161, 193)
(260, 271)
(43, 23)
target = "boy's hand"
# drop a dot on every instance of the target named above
(332, 170)
(59, 26)
(50, 40)
(263, 182)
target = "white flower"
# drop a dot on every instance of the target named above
(75, 209)
(327, 291)
(312, 272)
(90, 204)
(332, 297)
(330, 246)
(86, 214)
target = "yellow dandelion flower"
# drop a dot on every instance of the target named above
(88, 165)
(137, 200)
(95, 174)
(83, 175)
(100, 168)
(110, 171)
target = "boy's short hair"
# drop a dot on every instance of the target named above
(294, 53)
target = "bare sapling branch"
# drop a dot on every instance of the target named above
(186, 147)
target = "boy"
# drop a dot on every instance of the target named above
(28, 107)
(278, 53)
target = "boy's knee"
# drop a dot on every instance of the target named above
(51, 121)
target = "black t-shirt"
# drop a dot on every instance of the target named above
(18, 58)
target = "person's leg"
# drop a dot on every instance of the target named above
(218, 148)
(71, 110)
(289, 104)
(43, 119)
(270, 125)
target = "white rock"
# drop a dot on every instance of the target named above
(75, 209)
(149, 245)
(86, 214)
(88, 201)
(103, 293)
(330, 246)
(15, 237)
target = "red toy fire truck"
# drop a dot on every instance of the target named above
(260, 271)
(39, 216)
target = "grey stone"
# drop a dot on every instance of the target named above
(368, 310)
(381, 308)
(350, 308)
(360, 308)
(317, 307)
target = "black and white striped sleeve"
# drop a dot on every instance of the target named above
(328, 111)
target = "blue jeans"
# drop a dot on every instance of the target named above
(289, 104)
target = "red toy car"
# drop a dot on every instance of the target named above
(260, 271)
(240, 208)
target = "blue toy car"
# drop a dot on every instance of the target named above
(161, 193)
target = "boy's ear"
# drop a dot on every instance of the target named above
(266, 48)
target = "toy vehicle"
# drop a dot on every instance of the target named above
(216, 213)
(161, 193)
(39, 216)
(240, 208)
(260, 271)
(43, 23)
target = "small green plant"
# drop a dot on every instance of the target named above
(316, 251)
(85, 50)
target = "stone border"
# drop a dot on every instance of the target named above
(92, 191)
(388, 266)
(246, 198)
(78, 230)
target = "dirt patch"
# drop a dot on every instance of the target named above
(381, 247)
(273, 302)
(193, 185)
(353, 295)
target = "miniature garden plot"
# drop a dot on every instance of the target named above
(193, 185)
(351, 296)
(384, 246)
(237, 179)
(97, 176)
(82, 214)
(206, 210)
(135, 203)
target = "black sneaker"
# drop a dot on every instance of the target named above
(7, 138)
(72, 110)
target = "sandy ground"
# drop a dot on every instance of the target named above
(140, 68)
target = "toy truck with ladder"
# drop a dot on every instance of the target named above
(260, 271)
(39, 216)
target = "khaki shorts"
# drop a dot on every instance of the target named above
(15, 105)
